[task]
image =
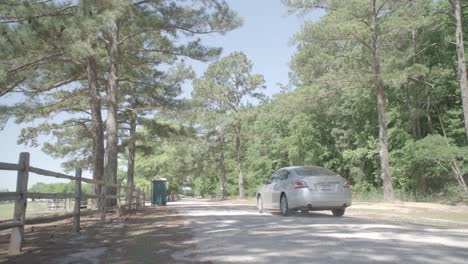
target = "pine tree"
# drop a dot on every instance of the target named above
(81, 48)
(459, 42)
(227, 83)
(358, 33)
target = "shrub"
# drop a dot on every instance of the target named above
(453, 194)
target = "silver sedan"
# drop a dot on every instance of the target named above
(309, 188)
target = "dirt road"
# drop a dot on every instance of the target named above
(238, 234)
(152, 235)
(198, 231)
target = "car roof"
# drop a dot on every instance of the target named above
(297, 167)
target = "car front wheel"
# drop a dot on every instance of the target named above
(284, 205)
(338, 212)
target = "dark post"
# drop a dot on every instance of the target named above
(129, 196)
(138, 195)
(134, 197)
(76, 215)
(118, 200)
(102, 203)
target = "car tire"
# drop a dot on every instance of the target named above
(338, 212)
(284, 205)
(260, 204)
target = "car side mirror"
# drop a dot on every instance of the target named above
(266, 182)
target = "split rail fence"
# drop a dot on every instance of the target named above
(135, 198)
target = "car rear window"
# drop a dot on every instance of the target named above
(314, 171)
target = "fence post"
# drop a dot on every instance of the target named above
(135, 191)
(17, 233)
(102, 203)
(76, 214)
(144, 200)
(129, 196)
(140, 198)
(118, 200)
(133, 198)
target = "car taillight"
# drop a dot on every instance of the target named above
(299, 184)
(347, 184)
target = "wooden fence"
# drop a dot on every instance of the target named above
(134, 198)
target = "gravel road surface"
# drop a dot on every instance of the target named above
(229, 233)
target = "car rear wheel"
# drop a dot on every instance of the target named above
(260, 204)
(338, 212)
(284, 205)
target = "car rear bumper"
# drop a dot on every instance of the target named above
(304, 198)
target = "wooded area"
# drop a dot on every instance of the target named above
(378, 93)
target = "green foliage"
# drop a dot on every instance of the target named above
(453, 194)
(220, 95)
(367, 194)
(426, 165)
(329, 119)
(204, 186)
(69, 187)
(45, 53)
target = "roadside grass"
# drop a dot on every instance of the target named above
(38, 208)
(6, 211)
(451, 195)
(419, 216)
(407, 213)
(375, 195)
(414, 210)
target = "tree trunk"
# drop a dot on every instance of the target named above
(411, 113)
(111, 157)
(428, 109)
(239, 160)
(382, 119)
(462, 75)
(98, 125)
(131, 150)
(223, 168)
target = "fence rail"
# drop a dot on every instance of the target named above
(135, 198)
(9, 196)
(9, 166)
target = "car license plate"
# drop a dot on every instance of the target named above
(326, 187)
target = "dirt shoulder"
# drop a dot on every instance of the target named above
(404, 212)
(153, 235)
(416, 213)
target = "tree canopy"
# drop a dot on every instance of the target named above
(377, 94)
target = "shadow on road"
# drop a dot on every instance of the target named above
(196, 231)
(235, 234)
(154, 235)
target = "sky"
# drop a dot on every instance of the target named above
(264, 38)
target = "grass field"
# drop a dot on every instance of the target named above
(34, 209)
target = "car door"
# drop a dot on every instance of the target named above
(278, 187)
(267, 191)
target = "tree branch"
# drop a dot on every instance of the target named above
(11, 88)
(12, 19)
(12, 71)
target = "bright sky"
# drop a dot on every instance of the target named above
(264, 38)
